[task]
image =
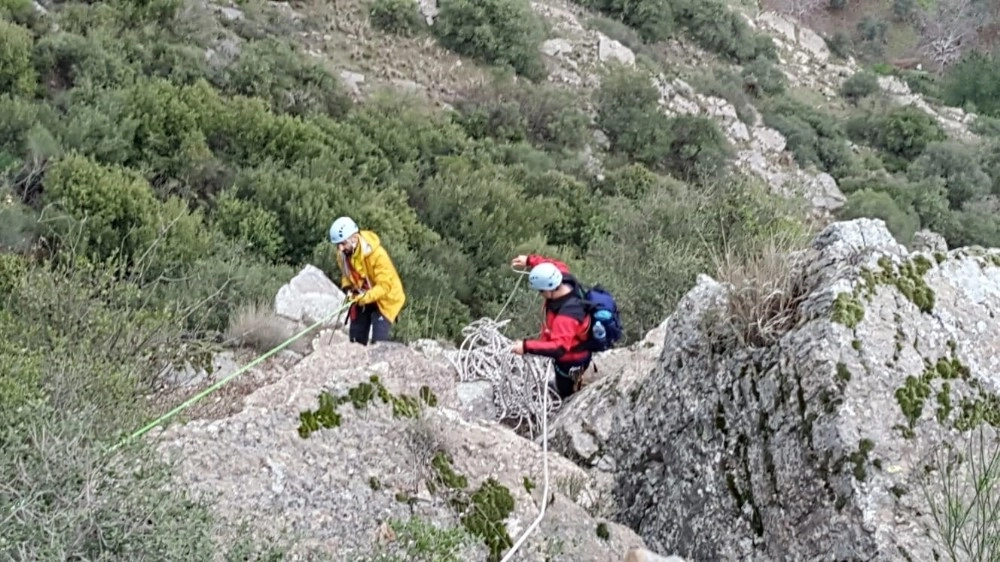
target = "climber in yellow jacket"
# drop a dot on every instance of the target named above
(369, 278)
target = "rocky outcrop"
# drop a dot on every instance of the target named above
(806, 61)
(353, 436)
(815, 444)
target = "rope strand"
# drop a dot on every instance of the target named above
(520, 384)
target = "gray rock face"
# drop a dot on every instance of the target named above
(337, 487)
(815, 447)
(309, 297)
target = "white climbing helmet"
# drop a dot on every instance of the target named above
(545, 277)
(342, 229)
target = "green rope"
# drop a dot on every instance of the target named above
(227, 378)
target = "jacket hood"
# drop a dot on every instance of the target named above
(369, 242)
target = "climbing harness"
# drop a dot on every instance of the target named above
(219, 384)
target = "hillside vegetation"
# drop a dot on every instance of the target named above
(163, 166)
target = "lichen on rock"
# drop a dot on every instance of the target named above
(807, 447)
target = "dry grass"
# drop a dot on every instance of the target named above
(257, 326)
(767, 282)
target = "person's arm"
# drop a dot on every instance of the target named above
(535, 259)
(385, 276)
(562, 337)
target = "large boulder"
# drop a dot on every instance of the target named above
(818, 443)
(394, 447)
(310, 297)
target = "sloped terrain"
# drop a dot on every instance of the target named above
(834, 437)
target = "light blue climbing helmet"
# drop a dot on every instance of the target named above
(342, 229)
(545, 277)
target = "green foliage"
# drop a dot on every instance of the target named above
(401, 17)
(292, 83)
(545, 115)
(974, 83)
(17, 76)
(900, 133)
(629, 114)
(688, 147)
(653, 20)
(77, 353)
(956, 164)
(499, 32)
(813, 136)
(880, 205)
(423, 541)
(860, 85)
(698, 150)
(115, 207)
(717, 28)
(761, 77)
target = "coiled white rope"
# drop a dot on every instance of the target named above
(520, 385)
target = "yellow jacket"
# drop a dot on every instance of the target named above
(371, 270)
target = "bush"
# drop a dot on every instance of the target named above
(762, 78)
(628, 112)
(290, 82)
(814, 137)
(401, 17)
(860, 85)
(840, 44)
(958, 166)
(900, 133)
(902, 223)
(545, 115)
(719, 29)
(17, 76)
(500, 32)
(653, 20)
(974, 83)
(111, 210)
(698, 150)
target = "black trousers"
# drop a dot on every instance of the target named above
(568, 376)
(367, 320)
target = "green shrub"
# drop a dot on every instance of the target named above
(717, 28)
(840, 44)
(500, 32)
(698, 149)
(867, 203)
(956, 164)
(762, 78)
(401, 17)
(629, 114)
(985, 126)
(974, 82)
(111, 210)
(272, 70)
(813, 136)
(17, 76)
(860, 85)
(901, 133)
(545, 115)
(653, 20)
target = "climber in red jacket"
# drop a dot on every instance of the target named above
(565, 322)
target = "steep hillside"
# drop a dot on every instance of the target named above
(167, 165)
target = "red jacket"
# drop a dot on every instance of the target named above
(565, 324)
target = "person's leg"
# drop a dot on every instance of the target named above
(361, 323)
(380, 326)
(568, 376)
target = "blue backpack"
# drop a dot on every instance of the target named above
(605, 322)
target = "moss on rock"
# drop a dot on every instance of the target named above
(360, 395)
